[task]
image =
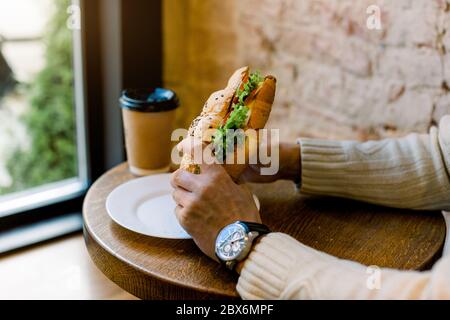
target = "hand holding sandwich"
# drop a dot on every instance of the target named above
(208, 202)
(289, 159)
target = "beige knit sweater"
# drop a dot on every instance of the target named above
(412, 172)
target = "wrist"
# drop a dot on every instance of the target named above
(235, 242)
(240, 264)
(290, 162)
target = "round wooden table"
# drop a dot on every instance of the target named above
(152, 268)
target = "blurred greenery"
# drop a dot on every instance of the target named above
(50, 119)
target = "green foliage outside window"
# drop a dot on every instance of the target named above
(50, 119)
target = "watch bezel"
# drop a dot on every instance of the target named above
(245, 249)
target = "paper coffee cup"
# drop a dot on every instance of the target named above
(148, 118)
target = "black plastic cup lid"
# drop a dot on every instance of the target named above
(149, 100)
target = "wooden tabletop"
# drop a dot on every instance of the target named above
(152, 268)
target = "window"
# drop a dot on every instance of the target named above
(42, 123)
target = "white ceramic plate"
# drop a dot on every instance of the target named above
(145, 206)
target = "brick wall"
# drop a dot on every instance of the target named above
(337, 78)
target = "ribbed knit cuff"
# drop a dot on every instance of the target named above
(444, 139)
(405, 173)
(266, 269)
(320, 158)
(274, 261)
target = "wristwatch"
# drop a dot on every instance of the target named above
(234, 242)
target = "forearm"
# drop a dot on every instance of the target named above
(408, 173)
(290, 162)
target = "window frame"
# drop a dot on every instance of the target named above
(132, 63)
(67, 189)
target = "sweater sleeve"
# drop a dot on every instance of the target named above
(411, 172)
(280, 267)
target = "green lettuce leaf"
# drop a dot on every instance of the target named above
(238, 116)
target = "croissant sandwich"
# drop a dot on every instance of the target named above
(244, 104)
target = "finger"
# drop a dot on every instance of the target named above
(181, 217)
(186, 180)
(172, 180)
(178, 213)
(214, 174)
(182, 143)
(190, 145)
(209, 161)
(182, 197)
(251, 174)
(244, 178)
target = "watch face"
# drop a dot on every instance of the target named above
(231, 241)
